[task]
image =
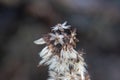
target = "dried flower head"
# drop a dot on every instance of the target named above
(64, 62)
(61, 27)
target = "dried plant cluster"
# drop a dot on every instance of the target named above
(64, 62)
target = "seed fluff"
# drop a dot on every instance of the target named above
(59, 54)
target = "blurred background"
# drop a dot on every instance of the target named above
(23, 21)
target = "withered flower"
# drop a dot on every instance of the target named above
(64, 62)
(61, 27)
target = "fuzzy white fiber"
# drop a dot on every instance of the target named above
(64, 62)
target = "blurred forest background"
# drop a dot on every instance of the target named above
(23, 21)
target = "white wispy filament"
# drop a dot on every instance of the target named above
(64, 62)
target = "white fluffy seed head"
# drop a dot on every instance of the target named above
(63, 61)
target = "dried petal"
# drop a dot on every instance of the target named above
(44, 51)
(40, 41)
(61, 27)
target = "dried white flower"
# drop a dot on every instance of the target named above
(58, 38)
(68, 54)
(61, 27)
(64, 62)
(53, 75)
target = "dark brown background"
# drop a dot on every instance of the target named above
(23, 21)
